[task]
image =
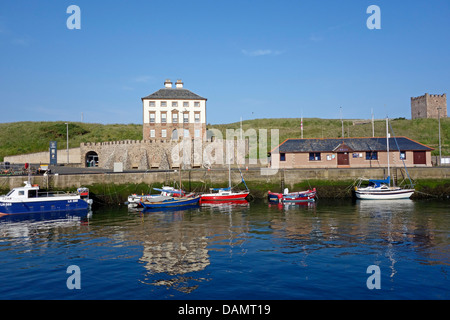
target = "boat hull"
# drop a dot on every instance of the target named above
(294, 197)
(172, 203)
(384, 195)
(31, 207)
(219, 197)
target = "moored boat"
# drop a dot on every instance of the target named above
(30, 199)
(172, 202)
(381, 190)
(134, 200)
(292, 197)
(224, 194)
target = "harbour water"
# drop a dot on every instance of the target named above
(325, 250)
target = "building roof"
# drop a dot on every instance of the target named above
(350, 144)
(174, 94)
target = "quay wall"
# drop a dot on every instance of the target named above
(334, 183)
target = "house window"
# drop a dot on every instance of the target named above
(186, 117)
(174, 104)
(163, 118)
(196, 104)
(152, 104)
(197, 117)
(371, 155)
(314, 156)
(197, 133)
(152, 118)
(282, 156)
(174, 117)
(152, 133)
(186, 104)
(163, 103)
(186, 133)
(163, 133)
(402, 155)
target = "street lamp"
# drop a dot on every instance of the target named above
(439, 119)
(67, 144)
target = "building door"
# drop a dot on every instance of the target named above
(420, 157)
(343, 159)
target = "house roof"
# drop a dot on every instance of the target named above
(175, 94)
(350, 144)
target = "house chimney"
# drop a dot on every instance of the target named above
(179, 84)
(168, 83)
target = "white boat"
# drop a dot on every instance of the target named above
(382, 189)
(134, 200)
(29, 199)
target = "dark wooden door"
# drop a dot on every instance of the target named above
(420, 157)
(343, 158)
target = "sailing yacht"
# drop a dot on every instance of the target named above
(382, 189)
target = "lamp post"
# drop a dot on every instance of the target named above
(67, 144)
(439, 120)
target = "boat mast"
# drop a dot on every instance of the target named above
(387, 149)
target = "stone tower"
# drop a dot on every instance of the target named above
(426, 106)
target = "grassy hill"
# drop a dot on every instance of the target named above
(27, 137)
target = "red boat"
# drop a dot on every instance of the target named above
(292, 197)
(222, 194)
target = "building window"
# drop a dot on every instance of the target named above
(197, 133)
(163, 118)
(186, 104)
(186, 118)
(174, 104)
(163, 133)
(402, 155)
(282, 156)
(152, 133)
(152, 104)
(197, 118)
(152, 118)
(314, 156)
(196, 104)
(163, 103)
(371, 155)
(174, 117)
(186, 133)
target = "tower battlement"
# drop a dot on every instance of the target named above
(429, 106)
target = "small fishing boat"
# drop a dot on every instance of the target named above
(30, 199)
(226, 194)
(172, 202)
(134, 200)
(292, 197)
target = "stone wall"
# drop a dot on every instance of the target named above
(161, 154)
(44, 157)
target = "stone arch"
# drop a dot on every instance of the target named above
(91, 159)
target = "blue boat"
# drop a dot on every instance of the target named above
(30, 200)
(172, 202)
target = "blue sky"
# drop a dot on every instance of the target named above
(250, 59)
